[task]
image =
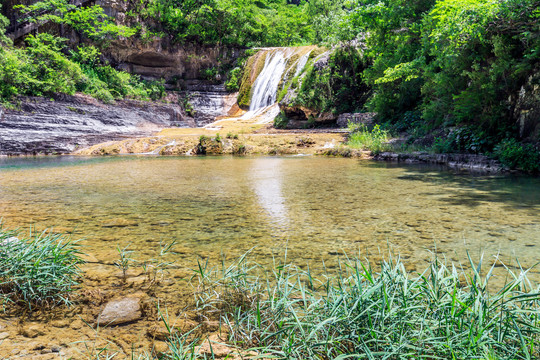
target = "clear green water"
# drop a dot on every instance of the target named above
(318, 208)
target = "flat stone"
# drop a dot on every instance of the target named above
(4, 335)
(121, 311)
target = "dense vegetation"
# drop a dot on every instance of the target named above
(46, 65)
(464, 66)
(244, 23)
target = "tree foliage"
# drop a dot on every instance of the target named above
(91, 21)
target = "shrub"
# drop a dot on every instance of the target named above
(281, 121)
(515, 155)
(337, 87)
(362, 138)
(40, 270)
(235, 76)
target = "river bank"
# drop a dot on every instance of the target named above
(84, 126)
(228, 311)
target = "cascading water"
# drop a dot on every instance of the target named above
(266, 86)
(302, 63)
(280, 66)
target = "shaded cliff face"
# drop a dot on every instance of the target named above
(42, 126)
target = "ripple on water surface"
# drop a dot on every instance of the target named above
(317, 208)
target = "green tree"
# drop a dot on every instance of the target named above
(4, 22)
(91, 21)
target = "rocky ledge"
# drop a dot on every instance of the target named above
(467, 162)
(66, 123)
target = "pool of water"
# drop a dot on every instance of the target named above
(317, 208)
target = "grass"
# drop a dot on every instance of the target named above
(362, 138)
(360, 313)
(38, 270)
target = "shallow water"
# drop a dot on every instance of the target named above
(317, 208)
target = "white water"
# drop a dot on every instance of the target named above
(302, 63)
(263, 105)
(264, 115)
(266, 85)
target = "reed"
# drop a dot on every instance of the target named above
(357, 312)
(38, 270)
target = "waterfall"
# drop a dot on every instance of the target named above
(276, 71)
(266, 86)
(302, 63)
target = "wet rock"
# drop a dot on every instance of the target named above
(211, 326)
(215, 345)
(160, 331)
(209, 101)
(137, 281)
(468, 162)
(77, 324)
(60, 323)
(121, 311)
(160, 348)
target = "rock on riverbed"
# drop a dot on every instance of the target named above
(120, 311)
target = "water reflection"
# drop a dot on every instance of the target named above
(266, 177)
(319, 208)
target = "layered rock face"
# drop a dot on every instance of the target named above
(209, 101)
(42, 126)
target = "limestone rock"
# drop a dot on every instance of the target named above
(70, 122)
(120, 311)
(160, 331)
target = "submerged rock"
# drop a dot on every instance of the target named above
(32, 331)
(120, 311)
